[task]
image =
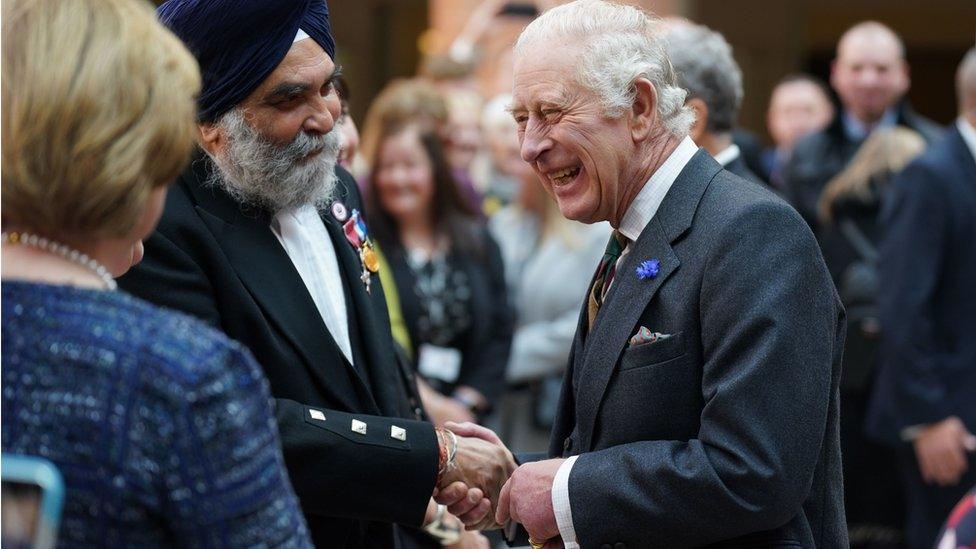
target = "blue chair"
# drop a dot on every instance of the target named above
(33, 496)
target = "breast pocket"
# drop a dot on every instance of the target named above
(655, 353)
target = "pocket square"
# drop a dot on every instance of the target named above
(645, 336)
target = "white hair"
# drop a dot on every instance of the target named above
(622, 44)
(705, 66)
(271, 176)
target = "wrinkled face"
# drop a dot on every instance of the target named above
(869, 74)
(403, 178)
(299, 95)
(797, 109)
(277, 149)
(583, 158)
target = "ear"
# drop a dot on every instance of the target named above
(211, 138)
(644, 110)
(701, 119)
(833, 74)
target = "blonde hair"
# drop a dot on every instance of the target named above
(886, 152)
(98, 110)
(403, 102)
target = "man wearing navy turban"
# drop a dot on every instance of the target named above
(260, 238)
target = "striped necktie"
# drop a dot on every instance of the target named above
(604, 275)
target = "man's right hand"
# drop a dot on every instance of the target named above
(941, 451)
(482, 461)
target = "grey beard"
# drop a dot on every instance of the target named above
(256, 172)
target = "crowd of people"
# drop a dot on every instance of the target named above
(592, 312)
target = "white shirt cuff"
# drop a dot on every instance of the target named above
(560, 504)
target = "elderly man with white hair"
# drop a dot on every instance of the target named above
(703, 61)
(700, 403)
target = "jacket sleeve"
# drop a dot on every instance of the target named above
(770, 321)
(912, 257)
(335, 471)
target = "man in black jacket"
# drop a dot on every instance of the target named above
(924, 397)
(870, 76)
(263, 237)
(703, 62)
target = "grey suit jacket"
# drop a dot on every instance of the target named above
(725, 433)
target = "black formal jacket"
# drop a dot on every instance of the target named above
(927, 301)
(725, 433)
(219, 262)
(485, 349)
(818, 157)
(740, 168)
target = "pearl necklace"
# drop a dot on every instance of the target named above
(56, 248)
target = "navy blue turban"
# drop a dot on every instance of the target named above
(238, 43)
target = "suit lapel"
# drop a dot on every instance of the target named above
(629, 296)
(624, 303)
(363, 313)
(269, 275)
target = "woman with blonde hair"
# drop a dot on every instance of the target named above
(851, 228)
(161, 427)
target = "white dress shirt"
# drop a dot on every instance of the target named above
(638, 215)
(728, 155)
(306, 241)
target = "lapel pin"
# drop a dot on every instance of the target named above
(648, 269)
(340, 212)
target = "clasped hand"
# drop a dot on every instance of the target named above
(471, 486)
(487, 479)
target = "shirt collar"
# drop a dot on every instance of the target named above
(857, 130)
(728, 155)
(968, 134)
(649, 199)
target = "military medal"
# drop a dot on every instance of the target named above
(358, 236)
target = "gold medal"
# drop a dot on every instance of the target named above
(370, 261)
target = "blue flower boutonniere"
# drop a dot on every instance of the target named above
(648, 269)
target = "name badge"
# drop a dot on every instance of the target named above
(443, 363)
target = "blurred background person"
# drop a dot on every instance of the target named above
(851, 229)
(500, 164)
(549, 261)
(705, 67)
(148, 414)
(447, 271)
(799, 105)
(349, 157)
(870, 76)
(923, 402)
(419, 101)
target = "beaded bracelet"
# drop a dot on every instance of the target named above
(442, 456)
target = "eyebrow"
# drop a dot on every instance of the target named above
(558, 101)
(286, 90)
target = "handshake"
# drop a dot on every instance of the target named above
(480, 483)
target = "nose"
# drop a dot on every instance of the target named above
(325, 112)
(534, 143)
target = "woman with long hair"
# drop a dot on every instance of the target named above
(446, 268)
(851, 228)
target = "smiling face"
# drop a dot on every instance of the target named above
(404, 176)
(583, 158)
(299, 95)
